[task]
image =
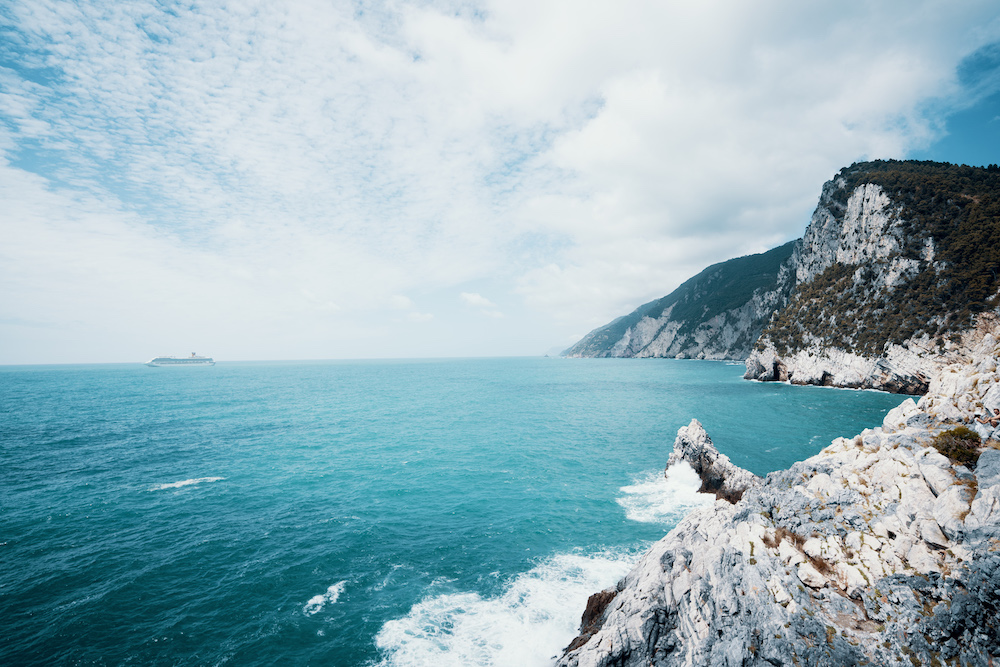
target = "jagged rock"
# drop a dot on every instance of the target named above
(810, 576)
(878, 550)
(895, 419)
(593, 616)
(931, 533)
(718, 474)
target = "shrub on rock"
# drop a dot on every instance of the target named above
(960, 444)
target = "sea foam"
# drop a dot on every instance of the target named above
(317, 602)
(529, 623)
(185, 482)
(655, 498)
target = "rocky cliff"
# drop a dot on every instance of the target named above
(897, 265)
(882, 549)
(718, 314)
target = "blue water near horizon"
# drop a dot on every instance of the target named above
(418, 512)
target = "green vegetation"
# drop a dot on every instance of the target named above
(960, 444)
(956, 210)
(715, 290)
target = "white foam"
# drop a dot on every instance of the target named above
(185, 482)
(654, 498)
(528, 624)
(317, 602)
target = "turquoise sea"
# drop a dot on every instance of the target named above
(425, 513)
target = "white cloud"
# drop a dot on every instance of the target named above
(484, 305)
(305, 172)
(400, 302)
(474, 299)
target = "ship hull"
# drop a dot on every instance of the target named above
(166, 362)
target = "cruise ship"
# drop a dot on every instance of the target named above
(193, 360)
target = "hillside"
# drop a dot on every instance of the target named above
(718, 314)
(898, 261)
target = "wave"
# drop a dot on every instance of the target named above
(655, 498)
(529, 623)
(317, 602)
(185, 482)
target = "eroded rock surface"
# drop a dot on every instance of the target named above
(878, 550)
(718, 474)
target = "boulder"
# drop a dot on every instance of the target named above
(895, 419)
(810, 576)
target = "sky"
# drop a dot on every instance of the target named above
(332, 180)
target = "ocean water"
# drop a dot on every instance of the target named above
(438, 512)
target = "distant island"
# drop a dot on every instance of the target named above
(884, 548)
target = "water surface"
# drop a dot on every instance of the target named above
(348, 513)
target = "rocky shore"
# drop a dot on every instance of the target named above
(879, 550)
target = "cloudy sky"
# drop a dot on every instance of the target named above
(290, 179)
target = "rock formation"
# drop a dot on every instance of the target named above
(882, 298)
(894, 271)
(718, 474)
(879, 550)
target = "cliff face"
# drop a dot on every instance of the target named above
(718, 314)
(878, 550)
(892, 273)
(849, 259)
(897, 265)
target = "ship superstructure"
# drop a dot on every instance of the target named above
(193, 360)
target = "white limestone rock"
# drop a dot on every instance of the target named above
(931, 533)
(717, 472)
(895, 420)
(950, 510)
(810, 576)
(882, 518)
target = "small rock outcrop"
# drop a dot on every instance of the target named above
(879, 550)
(718, 474)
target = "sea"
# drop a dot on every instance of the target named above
(375, 513)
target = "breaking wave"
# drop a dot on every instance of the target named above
(317, 602)
(529, 623)
(655, 498)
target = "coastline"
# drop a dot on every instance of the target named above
(857, 554)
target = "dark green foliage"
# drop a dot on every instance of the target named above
(725, 286)
(715, 290)
(957, 209)
(960, 444)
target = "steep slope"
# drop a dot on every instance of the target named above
(879, 550)
(899, 259)
(718, 314)
(898, 262)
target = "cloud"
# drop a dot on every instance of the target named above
(307, 171)
(400, 302)
(473, 299)
(485, 306)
